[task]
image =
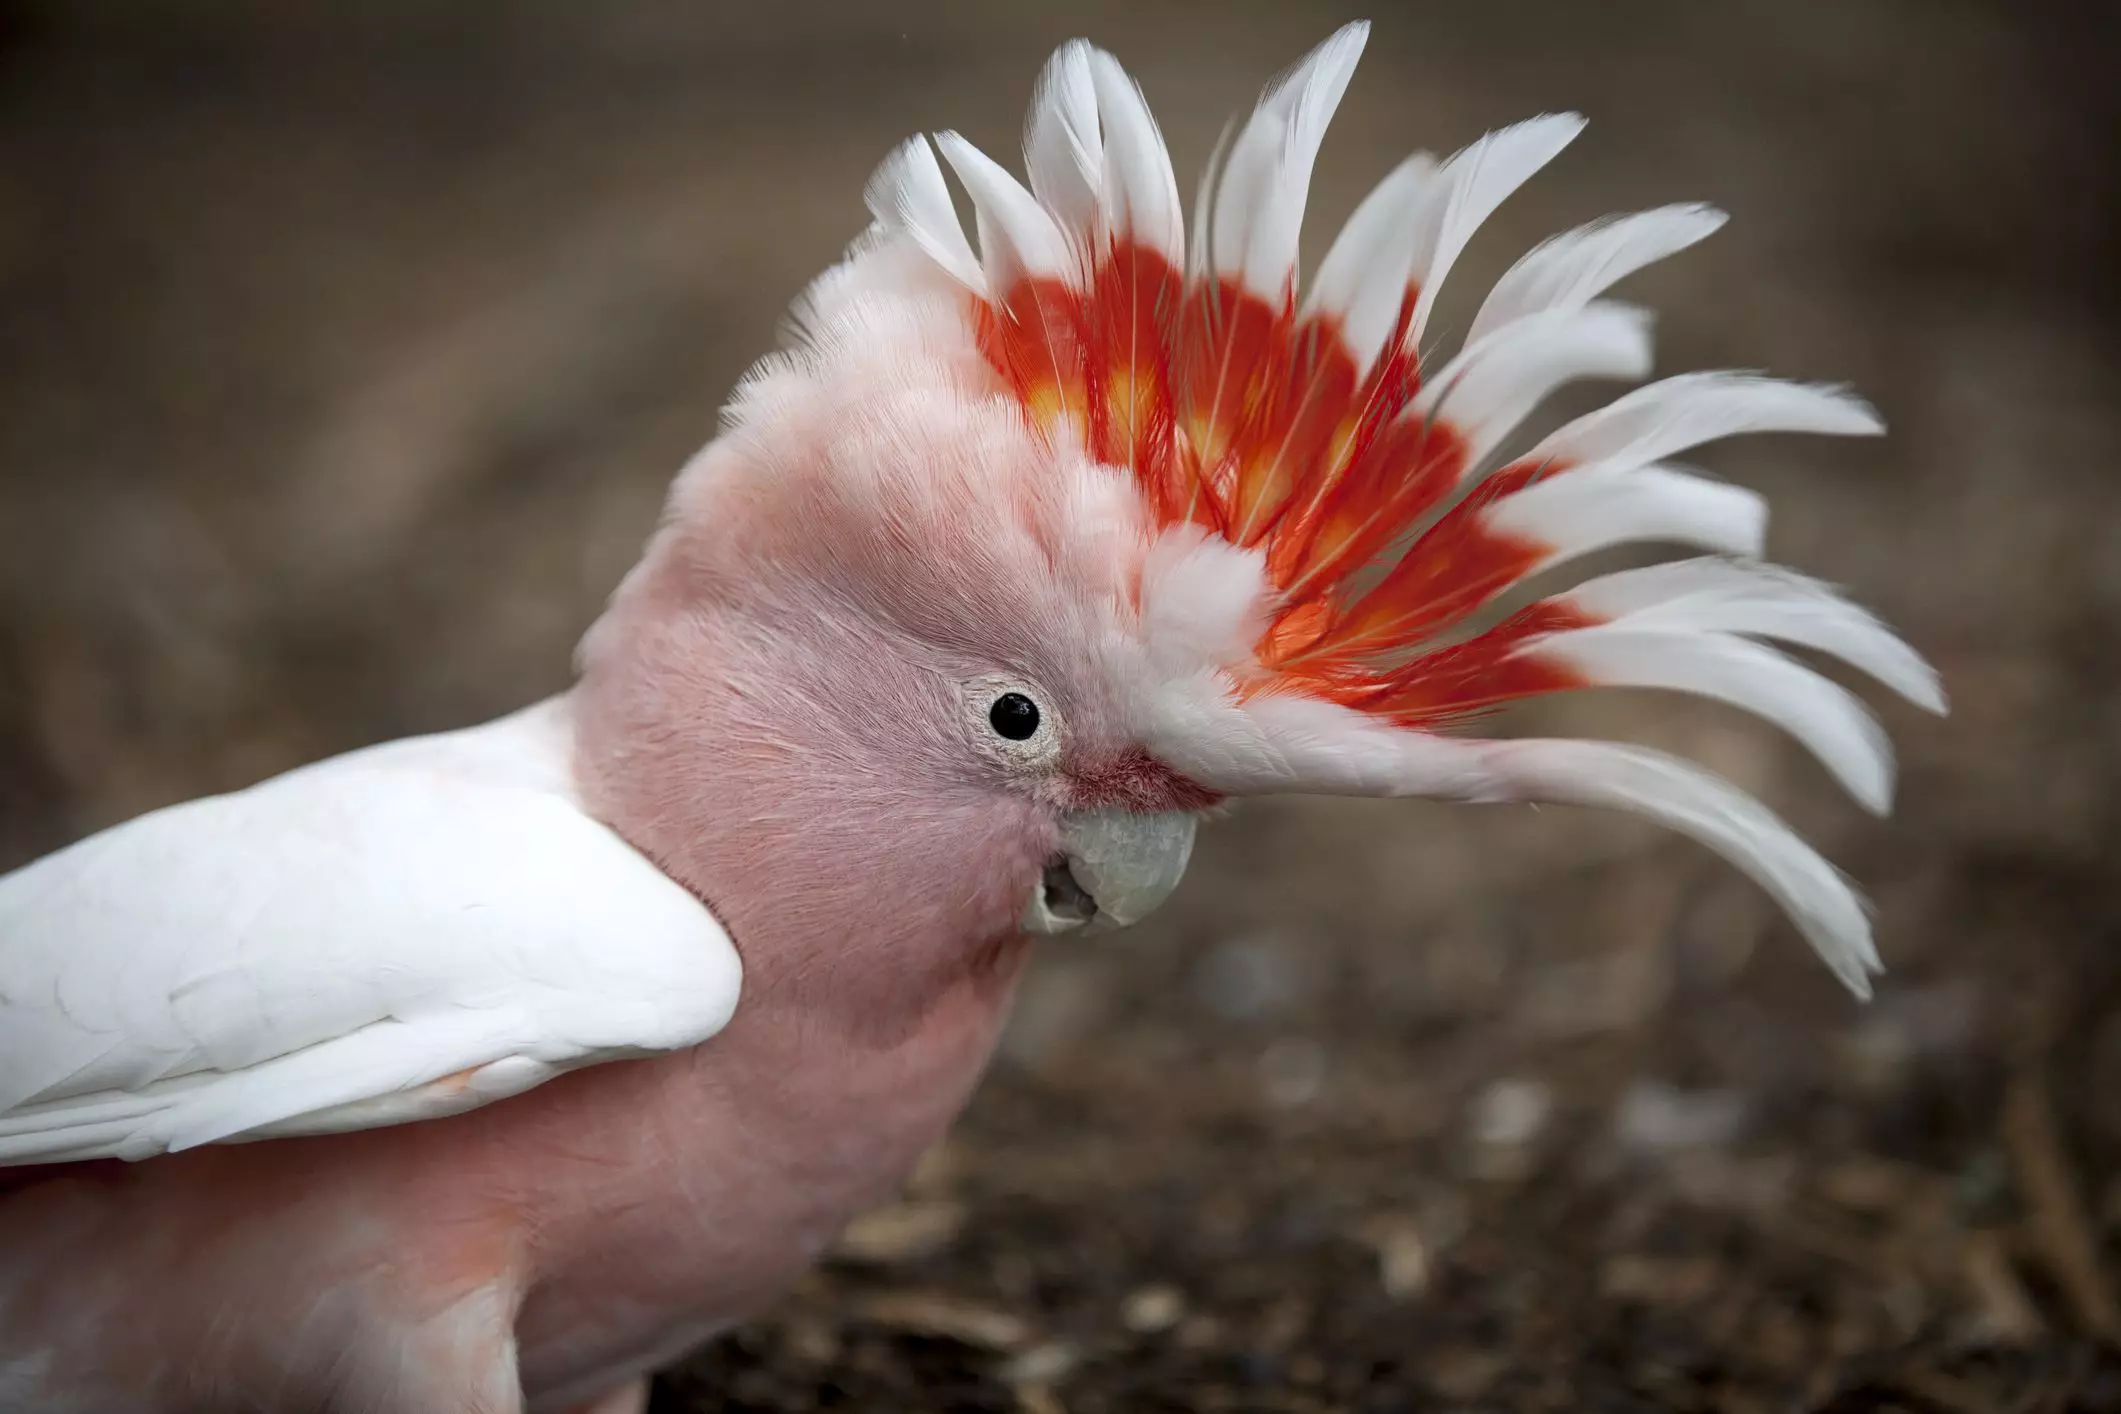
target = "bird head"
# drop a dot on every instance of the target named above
(1024, 553)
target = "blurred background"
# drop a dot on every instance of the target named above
(348, 353)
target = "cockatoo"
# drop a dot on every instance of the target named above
(487, 1071)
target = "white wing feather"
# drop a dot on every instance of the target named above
(397, 934)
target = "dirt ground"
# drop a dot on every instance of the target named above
(349, 350)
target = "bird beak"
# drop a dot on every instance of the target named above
(1113, 869)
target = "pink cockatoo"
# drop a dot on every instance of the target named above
(487, 1071)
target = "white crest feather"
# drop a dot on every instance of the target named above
(1469, 188)
(1689, 801)
(1826, 717)
(909, 196)
(1259, 205)
(1017, 236)
(1572, 269)
(1141, 192)
(1670, 416)
(1762, 601)
(1294, 744)
(1363, 279)
(1064, 151)
(1580, 512)
(1495, 384)
(1197, 258)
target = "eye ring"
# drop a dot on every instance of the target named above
(1014, 717)
(1012, 723)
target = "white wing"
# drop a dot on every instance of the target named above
(405, 932)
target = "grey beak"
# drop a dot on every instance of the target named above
(1113, 870)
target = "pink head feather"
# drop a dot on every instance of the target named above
(786, 704)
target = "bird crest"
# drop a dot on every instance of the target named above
(1310, 423)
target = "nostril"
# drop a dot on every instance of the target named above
(1064, 897)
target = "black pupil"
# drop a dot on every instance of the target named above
(1014, 716)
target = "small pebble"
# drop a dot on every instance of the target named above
(1152, 1309)
(1510, 1114)
(1507, 1118)
(1402, 1255)
(813, 1342)
(947, 1317)
(1291, 1071)
(1046, 1364)
(1655, 1117)
(904, 1232)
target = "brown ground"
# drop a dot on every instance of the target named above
(346, 360)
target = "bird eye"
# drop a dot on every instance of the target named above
(1013, 717)
(1013, 724)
